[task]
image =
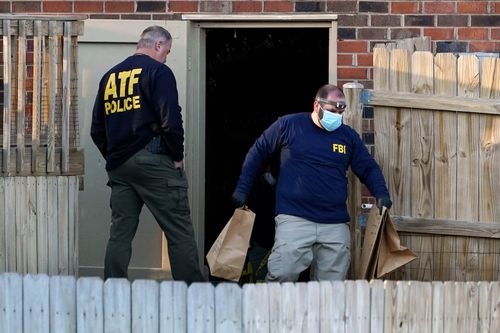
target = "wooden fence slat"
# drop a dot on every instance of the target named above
(7, 94)
(313, 307)
(326, 302)
(52, 229)
(274, 291)
(438, 303)
(62, 224)
(66, 95)
(117, 306)
(201, 306)
(420, 307)
(145, 306)
(73, 225)
(489, 160)
(376, 306)
(402, 307)
(256, 308)
(495, 307)
(10, 225)
(288, 305)
(450, 323)
(472, 302)
(489, 187)
(21, 95)
(42, 224)
(21, 225)
(301, 308)
(399, 140)
(468, 164)
(173, 306)
(445, 164)
(31, 226)
(307, 307)
(381, 81)
(357, 310)
(422, 161)
(63, 304)
(89, 300)
(339, 306)
(390, 294)
(3, 245)
(228, 309)
(36, 303)
(484, 315)
(11, 303)
(52, 94)
(38, 40)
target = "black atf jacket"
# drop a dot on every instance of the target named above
(134, 96)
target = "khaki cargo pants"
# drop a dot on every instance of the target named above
(300, 243)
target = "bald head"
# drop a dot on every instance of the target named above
(330, 92)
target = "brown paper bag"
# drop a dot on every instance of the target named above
(382, 251)
(227, 255)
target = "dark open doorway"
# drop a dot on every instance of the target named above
(253, 77)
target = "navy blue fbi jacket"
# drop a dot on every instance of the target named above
(313, 172)
(132, 96)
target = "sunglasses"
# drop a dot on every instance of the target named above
(336, 105)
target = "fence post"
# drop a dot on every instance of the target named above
(353, 117)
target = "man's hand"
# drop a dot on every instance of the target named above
(179, 165)
(239, 199)
(383, 202)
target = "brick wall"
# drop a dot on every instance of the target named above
(454, 26)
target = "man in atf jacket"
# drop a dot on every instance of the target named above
(137, 126)
(315, 150)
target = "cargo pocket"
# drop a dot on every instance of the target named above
(177, 189)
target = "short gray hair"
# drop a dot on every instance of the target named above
(151, 35)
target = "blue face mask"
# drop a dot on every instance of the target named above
(330, 121)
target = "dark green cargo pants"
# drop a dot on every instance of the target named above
(151, 179)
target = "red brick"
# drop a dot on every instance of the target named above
(5, 7)
(472, 33)
(88, 6)
(182, 6)
(439, 33)
(26, 7)
(58, 6)
(247, 6)
(495, 8)
(213, 6)
(278, 6)
(355, 46)
(439, 7)
(352, 73)
(495, 34)
(365, 59)
(119, 7)
(344, 59)
(484, 46)
(410, 7)
(472, 7)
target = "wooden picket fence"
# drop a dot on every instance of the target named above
(39, 304)
(437, 135)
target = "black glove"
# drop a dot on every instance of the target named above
(238, 199)
(384, 202)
